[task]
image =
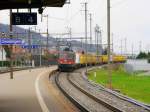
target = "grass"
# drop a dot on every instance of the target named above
(137, 87)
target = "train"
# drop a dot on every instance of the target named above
(69, 60)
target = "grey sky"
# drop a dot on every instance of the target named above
(129, 19)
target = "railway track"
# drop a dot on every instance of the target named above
(87, 99)
(83, 100)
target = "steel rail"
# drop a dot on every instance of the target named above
(120, 96)
(105, 104)
(80, 106)
(76, 103)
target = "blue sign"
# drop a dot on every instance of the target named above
(24, 18)
(8, 41)
(30, 46)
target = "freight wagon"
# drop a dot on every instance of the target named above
(69, 60)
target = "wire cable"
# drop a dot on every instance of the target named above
(118, 3)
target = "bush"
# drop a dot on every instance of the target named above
(4, 63)
(142, 55)
(7, 63)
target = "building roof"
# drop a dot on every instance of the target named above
(14, 4)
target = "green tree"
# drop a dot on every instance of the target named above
(142, 55)
(148, 55)
(7, 50)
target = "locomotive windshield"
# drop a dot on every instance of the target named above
(64, 48)
(67, 55)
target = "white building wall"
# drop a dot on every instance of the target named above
(2, 54)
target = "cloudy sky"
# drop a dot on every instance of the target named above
(130, 19)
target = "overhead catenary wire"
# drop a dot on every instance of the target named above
(74, 15)
(57, 18)
(118, 3)
(69, 19)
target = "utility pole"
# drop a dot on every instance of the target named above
(112, 43)
(97, 40)
(101, 43)
(81, 44)
(125, 46)
(40, 50)
(85, 4)
(70, 33)
(11, 47)
(2, 50)
(132, 50)
(108, 48)
(47, 32)
(29, 43)
(2, 56)
(95, 37)
(90, 30)
(140, 46)
(121, 47)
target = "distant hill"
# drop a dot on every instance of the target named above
(21, 33)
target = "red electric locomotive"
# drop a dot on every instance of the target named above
(66, 60)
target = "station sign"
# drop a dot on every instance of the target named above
(8, 41)
(24, 18)
(30, 46)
